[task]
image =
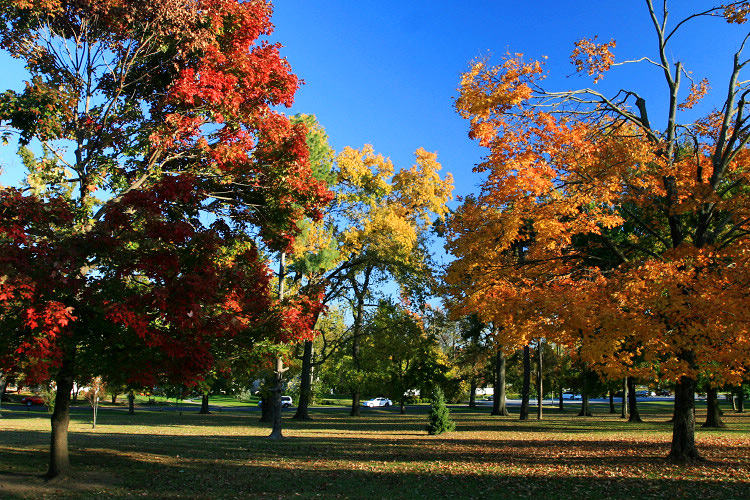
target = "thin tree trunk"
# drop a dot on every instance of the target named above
(3, 385)
(276, 405)
(539, 383)
(114, 398)
(403, 406)
(560, 403)
(713, 412)
(360, 295)
(612, 409)
(499, 406)
(683, 430)
(585, 410)
(131, 402)
(526, 383)
(473, 393)
(740, 408)
(59, 459)
(266, 410)
(204, 405)
(305, 386)
(624, 413)
(635, 416)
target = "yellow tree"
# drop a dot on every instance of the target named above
(374, 231)
(626, 240)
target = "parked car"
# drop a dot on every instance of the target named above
(645, 394)
(32, 400)
(286, 402)
(571, 395)
(377, 402)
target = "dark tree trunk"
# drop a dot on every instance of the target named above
(635, 416)
(499, 406)
(114, 398)
(713, 412)
(131, 403)
(624, 412)
(612, 402)
(266, 410)
(473, 393)
(539, 383)
(276, 406)
(59, 459)
(740, 408)
(560, 403)
(585, 410)
(3, 385)
(683, 430)
(204, 405)
(526, 383)
(403, 406)
(305, 386)
(360, 294)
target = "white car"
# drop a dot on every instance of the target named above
(377, 402)
(286, 402)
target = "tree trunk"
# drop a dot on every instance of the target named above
(612, 402)
(713, 413)
(740, 408)
(499, 406)
(114, 398)
(624, 413)
(403, 406)
(539, 383)
(473, 393)
(526, 383)
(266, 410)
(59, 459)
(585, 410)
(204, 405)
(3, 385)
(683, 430)
(131, 403)
(305, 387)
(560, 404)
(276, 405)
(360, 294)
(635, 416)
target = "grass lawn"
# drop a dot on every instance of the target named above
(380, 455)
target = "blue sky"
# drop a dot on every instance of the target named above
(386, 72)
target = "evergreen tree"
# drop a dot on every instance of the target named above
(440, 418)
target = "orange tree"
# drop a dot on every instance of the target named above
(153, 151)
(603, 232)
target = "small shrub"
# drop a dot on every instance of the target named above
(440, 418)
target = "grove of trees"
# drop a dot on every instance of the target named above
(606, 245)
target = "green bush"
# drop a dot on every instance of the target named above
(440, 418)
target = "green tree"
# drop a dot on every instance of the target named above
(440, 418)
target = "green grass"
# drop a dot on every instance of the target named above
(379, 455)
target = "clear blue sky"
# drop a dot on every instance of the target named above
(386, 72)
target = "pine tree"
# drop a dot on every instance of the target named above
(440, 417)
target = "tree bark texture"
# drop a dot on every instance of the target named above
(624, 413)
(683, 430)
(204, 405)
(526, 383)
(131, 403)
(499, 406)
(713, 412)
(585, 410)
(305, 386)
(740, 407)
(276, 406)
(59, 459)
(539, 382)
(635, 416)
(473, 393)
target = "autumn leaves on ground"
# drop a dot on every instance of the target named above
(381, 455)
